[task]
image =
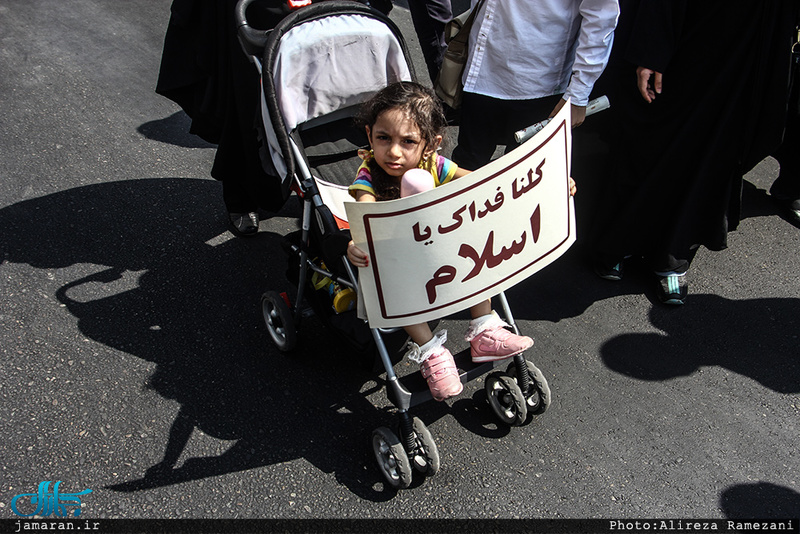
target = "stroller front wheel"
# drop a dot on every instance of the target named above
(538, 395)
(426, 455)
(392, 458)
(279, 320)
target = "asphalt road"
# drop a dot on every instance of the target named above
(131, 319)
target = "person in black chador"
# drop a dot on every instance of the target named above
(206, 72)
(785, 189)
(709, 105)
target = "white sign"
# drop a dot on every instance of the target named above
(444, 250)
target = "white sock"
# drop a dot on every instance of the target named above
(484, 322)
(420, 354)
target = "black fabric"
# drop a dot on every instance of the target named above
(204, 70)
(678, 162)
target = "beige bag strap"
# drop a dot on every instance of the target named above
(453, 29)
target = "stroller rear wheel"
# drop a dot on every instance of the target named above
(279, 320)
(506, 399)
(392, 458)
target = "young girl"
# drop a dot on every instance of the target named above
(405, 124)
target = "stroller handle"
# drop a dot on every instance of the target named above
(252, 40)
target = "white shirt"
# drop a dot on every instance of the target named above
(523, 49)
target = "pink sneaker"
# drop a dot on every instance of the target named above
(497, 344)
(442, 375)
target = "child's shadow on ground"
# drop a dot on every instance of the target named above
(326, 412)
(160, 278)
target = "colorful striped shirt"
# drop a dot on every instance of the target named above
(442, 169)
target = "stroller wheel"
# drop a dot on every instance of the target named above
(426, 455)
(538, 395)
(506, 399)
(279, 320)
(392, 458)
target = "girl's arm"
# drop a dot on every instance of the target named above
(358, 257)
(460, 172)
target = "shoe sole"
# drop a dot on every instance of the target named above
(239, 233)
(484, 359)
(607, 276)
(449, 396)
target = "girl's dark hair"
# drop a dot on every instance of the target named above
(422, 106)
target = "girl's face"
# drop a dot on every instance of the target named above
(397, 142)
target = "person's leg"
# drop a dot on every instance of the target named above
(429, 18)
(478, 132)
(481, 309)
(487, 122)
(419, 333)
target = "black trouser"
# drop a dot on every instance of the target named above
(487, 122)
(430, 17)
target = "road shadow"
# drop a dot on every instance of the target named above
(173, 130)
(160, 278)
(568, 287)
(760, 500)
(756, 338)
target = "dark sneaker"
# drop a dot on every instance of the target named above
(672, 289)
(608, 273)
(244, 224)
(791, 207)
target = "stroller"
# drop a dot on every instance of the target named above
(318, 65)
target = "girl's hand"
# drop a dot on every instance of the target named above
(572, 188)
(357, 257)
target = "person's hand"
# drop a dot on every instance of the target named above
(572, 187)
(357, 257)
(649, 83)
(578, 113)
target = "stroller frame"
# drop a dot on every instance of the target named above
(515, 395)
